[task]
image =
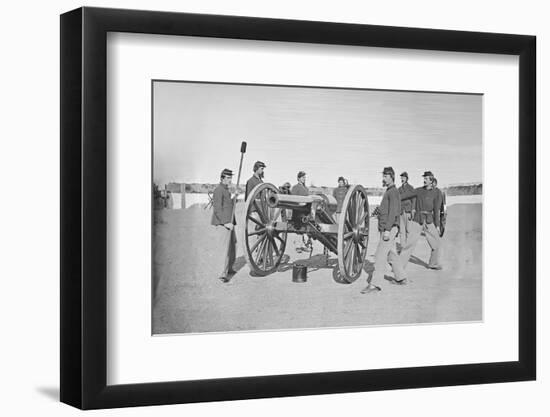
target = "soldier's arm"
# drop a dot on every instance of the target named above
(409, 194)
(394, 210)
(383, 213)
(437, 206)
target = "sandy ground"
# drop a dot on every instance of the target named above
(188, 297)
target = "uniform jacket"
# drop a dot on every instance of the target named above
(407, 205)
(428, 203)
(252, 182)
(299, 189)
(390, 209)
(223, 205)
(339, 193)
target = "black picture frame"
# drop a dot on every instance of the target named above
(84, 207)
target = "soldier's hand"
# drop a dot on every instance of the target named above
(229, 226)
(386, 236)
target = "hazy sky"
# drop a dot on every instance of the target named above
(198, 129)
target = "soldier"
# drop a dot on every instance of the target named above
(407, 209)
(256, 178)
(388, 226)
(339, 193)
(285, 188)
(225, 225)
(300, 187)
(426, 219)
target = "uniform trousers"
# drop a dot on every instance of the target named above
(432, 236)
(226, 240)
(386, 252)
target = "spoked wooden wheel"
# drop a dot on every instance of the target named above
(353, 234)
(264, 231)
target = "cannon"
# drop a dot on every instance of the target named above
(271, 216)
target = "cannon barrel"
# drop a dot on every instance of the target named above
(291, 201)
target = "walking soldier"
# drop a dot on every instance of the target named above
(426, 219)
(388, 226)
(224, 225)
(407, 209)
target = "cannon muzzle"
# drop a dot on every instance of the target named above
(291, 201)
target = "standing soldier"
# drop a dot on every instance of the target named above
(407, 211)
(256, 178)
(300, 187)
(388, 226)
(426, 219)
(339, 193)
(224, 225)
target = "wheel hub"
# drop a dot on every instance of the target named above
(270, 228)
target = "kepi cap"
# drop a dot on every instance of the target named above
(258, 164)
(388, 171)
(226, 173)
(404, 174)
(301, 174)
(428, 174)
(341, 179)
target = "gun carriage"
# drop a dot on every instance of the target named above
(271, 216)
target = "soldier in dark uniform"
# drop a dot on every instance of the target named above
(285, 188)
(407, 208)
(300, 187)
(256, 178)
(224, 225)
(388, 226)
(426, 219)
(339, 193)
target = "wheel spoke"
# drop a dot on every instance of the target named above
(357, 207)
(276, 214)
(347, 249)
(275, 246)
(279, 237)
(352, 207)
(358, 254)
(361, 209)
(264, 254)
(265, 207)
(257, 232)
(348, 235)
(363, 217)
(270, 249)
(348, 224)
(255, 221)
(253, 248)
(260, 212)
(349, 260)
(258, 257)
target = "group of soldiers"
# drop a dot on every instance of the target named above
(410, 213)
(406, 212)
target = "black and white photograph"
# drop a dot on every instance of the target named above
(281, 207)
